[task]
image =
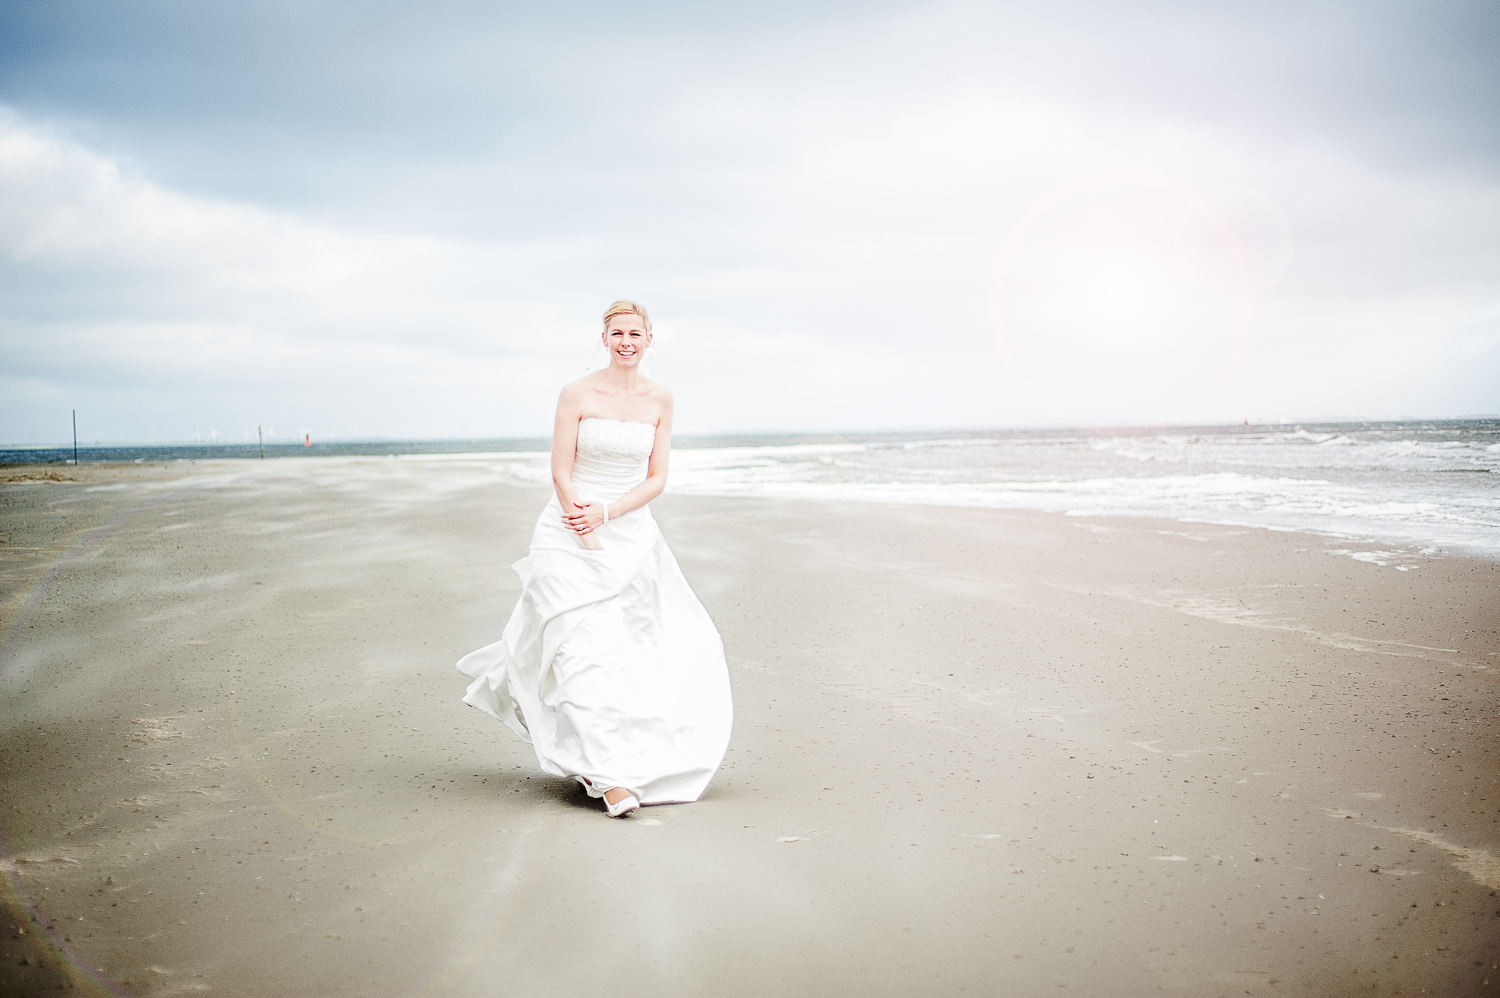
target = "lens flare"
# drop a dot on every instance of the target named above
(1122, 296)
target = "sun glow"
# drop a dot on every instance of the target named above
(1129, 285)
(1125, 300)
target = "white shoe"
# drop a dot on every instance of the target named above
(623, 807)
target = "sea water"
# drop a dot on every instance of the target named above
(1427, 486)
(1422, 485)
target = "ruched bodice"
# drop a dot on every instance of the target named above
(611, 457)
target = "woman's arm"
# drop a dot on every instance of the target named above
(565, 444)
(564, 453)
(656, 468)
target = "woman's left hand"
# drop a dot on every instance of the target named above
(586, 518)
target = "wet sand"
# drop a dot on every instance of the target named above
(976, 752)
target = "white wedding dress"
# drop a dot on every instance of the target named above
(609, 666)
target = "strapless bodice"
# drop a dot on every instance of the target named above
(611, 457)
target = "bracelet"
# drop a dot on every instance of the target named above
(606, 511)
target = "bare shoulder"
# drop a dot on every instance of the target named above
(660, 394)
(574, 392)
(579, 387)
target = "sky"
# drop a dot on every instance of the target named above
(379, 219)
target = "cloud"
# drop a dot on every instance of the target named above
(155, 296)
(371, 221)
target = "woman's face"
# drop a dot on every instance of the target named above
(626, 339)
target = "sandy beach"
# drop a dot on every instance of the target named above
(976, 752)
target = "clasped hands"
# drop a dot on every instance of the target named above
(584, 520)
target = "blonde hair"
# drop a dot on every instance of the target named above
(626, 307)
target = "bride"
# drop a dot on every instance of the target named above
(610, 667)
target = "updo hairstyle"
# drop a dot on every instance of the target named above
(626, 307)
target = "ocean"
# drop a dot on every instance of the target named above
(1420, 485)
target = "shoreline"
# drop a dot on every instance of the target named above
(1407, 551)
(974, 750)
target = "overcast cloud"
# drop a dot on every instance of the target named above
(395, 220)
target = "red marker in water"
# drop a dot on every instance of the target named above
(307, 440)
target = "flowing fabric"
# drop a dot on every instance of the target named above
(610, 666)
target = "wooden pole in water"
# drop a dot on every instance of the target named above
(262, 437)
(75, 438)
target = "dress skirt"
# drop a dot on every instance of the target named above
(609, 666)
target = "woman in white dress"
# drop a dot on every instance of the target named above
(609, 666)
